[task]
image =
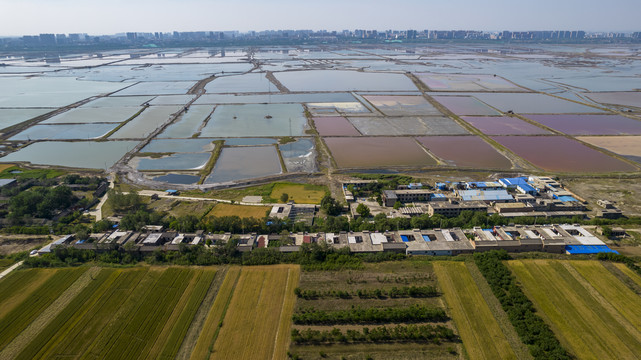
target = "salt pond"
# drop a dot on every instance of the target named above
(366, 152)
(10, 117)
(246, 83)
(299, 156)
(465, 105)
(238, 163)
(158, 88)
(80, 154)
(407, 125)
(334, 126)
(188, 123)
(525, 103)
(402, 105)
(145, 123)
(503, 125)
(340, 80)
(256, 120)
(179, 146)
(50, 91)
(466, 82)
(178, 161)
(465, 151)
(628, 146)
(558, 153)
(590, 124)
(65, 132)
(178, 179)
(93, 115)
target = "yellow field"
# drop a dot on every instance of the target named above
(301, 194)
(4, 167)
(482, 337)
(593, 314)
(631, 274)
(215, 317)
(257, 323)
(243, 211)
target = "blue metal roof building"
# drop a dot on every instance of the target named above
(485, 195)
(513, 182)
(565, 198)
(526, 189)
(588, 249)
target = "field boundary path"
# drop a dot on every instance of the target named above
(189, 342)
(10, 269)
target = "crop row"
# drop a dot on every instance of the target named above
(395, 292)
(358, 315)
(132, 338)
(214, 320)
(251, 324)
(400, 333)
(20, 317)
(15, 282)
(36, 345)
(186, 310)
(86, 321)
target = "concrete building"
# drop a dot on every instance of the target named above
(453, 208)
(390, 197)
(439, 242)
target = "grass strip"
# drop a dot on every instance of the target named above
(215, 317)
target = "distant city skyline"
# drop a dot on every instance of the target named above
(25, 17)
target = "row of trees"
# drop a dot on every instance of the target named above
(310, 257)
(358, 315)
(532, 330)
(402, 292)
(400, 333)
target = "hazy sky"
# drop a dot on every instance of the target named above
(19, 17)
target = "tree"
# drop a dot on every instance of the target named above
(397, 205)
(330, 205)
(607, 231)
(284, 197)
(363, 210)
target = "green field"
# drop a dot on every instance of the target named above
(243, 211)
(481, 335)
(140, 313)
(594, 315)
(5, 263)
(299, 193)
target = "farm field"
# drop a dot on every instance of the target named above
(343, 290)
(243, 211)
(136, 313)
(301, 194)
(5, 263)
(251, 317)
(594, 315)
(472, 316)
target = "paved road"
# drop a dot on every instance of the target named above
(9, 270)
(98, 211)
